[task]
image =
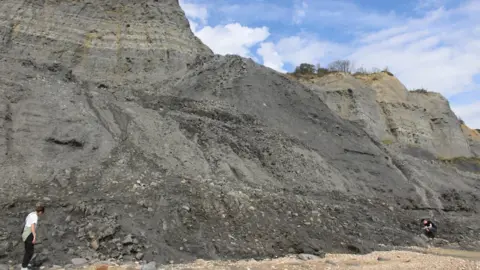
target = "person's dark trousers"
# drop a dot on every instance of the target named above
(431, 233)
(28, 251)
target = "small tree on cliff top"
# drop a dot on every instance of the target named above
(341, 66)
(305, 68)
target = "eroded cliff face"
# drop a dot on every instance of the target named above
(354, 100)
(140, 141)
(473, 138)
(391, 113)
(108, 41)
(64, 62)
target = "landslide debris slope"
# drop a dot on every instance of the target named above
(143, 144)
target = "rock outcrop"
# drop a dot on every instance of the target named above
(108, 41)
(473, 138)
(143, 144)
(392, 114)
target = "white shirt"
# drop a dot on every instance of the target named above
(32, 218)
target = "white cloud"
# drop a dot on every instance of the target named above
(300, 10)
(232, 38)
(296, 50)
(429, 3)
(382, 34)
(435, 52)
(271, 58)
(193, 26)
(252, 11)
(195, 11)
(348, 16)
(469, 113)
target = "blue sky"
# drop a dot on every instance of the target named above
(432, 44)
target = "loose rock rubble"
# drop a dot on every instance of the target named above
(450, 259)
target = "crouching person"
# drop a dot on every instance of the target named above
(429, 228)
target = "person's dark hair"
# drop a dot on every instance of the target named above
(40, 208)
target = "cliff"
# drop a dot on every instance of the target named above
(100, 41)
(473, 138)
(388, 111)
(144, 144)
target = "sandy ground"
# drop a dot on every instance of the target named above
(435, 259)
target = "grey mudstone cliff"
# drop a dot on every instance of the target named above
(143, 144)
